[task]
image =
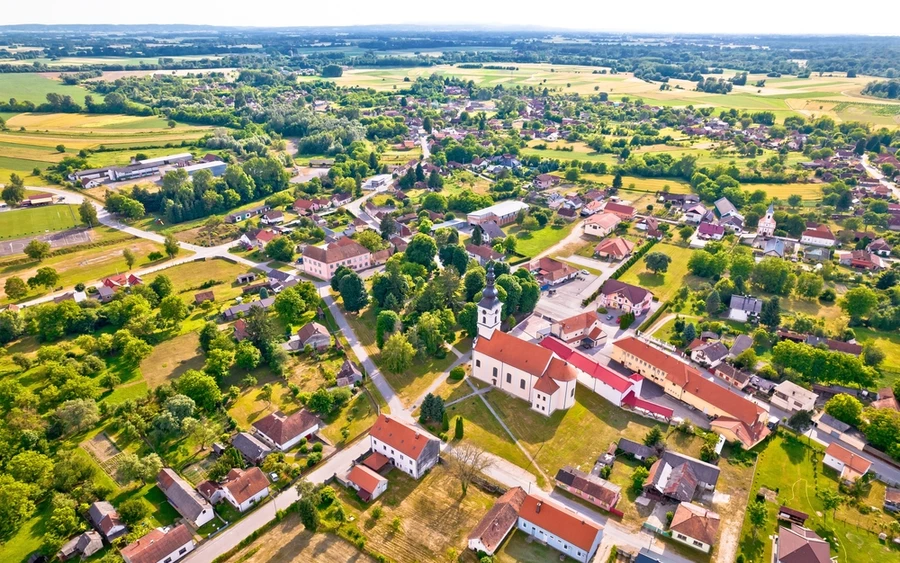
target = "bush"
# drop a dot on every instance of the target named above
(457, 373)
(317, 447)
(154, 256)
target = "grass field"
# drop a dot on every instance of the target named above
(32, 87)
(532, 243)
(664, 286)
(890, 345)
(789, 467)
(171, 358)
(38, 220)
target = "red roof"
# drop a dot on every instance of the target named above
(619, 209)
(376, 461)
(560, 522)
(407, 440)
(854, 461)
(634, 401)
(587, 365)
(245, 484)
(365, 478)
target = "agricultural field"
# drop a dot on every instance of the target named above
(32, 87)
(38, 220)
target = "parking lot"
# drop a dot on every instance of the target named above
(56, 240)
(564, 300)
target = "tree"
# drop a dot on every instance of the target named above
(689, 333)
(872, 355)
(171, 245)
(133, 511)
(162, 286)
(200, 387)
(458, 432)
(13, 192)
(685, 232)
(845, 408)
(421, 250)
(473, 283)
(809, 285)
(794, 200)
(758, 515)
(859, 302)
(247, 356)
(387, 322)
(637, 479)
(353, 292)
(801, 421)
(280, 248)
(15, 288)
(218, 362)
(135, 351)
(883, 429)
(37, 249)
(432, 409)
(309, 515)
(16, 506)
(654, 436)
(77, 414)
(707, 265)
(773, 275)
(397, 354)
(88, 214)
(831, 500)
(770, 314)
(31, 467)
(657, 262)
(44, 277)
(291, 305)
(617, 181)
(467, 462)
(713, 303)
(129, 257)
(172, 310)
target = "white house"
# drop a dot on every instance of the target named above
(584, 328)
(367, 483)
(562, 529)
(695, 526)
(851, 466)
(791, 397)
(245, 488)
(820, 235)
(284, 432)
(184, 498)
(601, 224)
(162, 545)
(615, 294)
(409, 449)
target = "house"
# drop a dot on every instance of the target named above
(306, 206)
(735, 417)
(502, 213)
(203, 297)
(696, 213)
(851, 466)
(767, 224)
(709, 231)
(483, 254)
(243, 308)
(409, 449)
(592, 207)
(490, 532)
(251, 448)
(105, 294)
(695, 526)
(835, 345)
(549, 272)
(651, 226)
(105, 519)
(800, 545)
(725, 208)
(491, 231)
(741, 344)
(742, 307)
(638, 451)
(827, 424)
(584, 328)
(733, 223)
(246, 214)
(244, 488)
(561, 528)
(349, 374)
(880, 247)
(523, 369)
(399, 244)
(240, 330)
(162, 545)
(182, 496)
(679, 477)
(544, 181)
(83, 545)
(273, 217)
(885, 399)
(284, 432)
(790, 397)
(732, 375)
(595, 490)
(623, 212)
(862, 259)
(709, 354)
(321, 262)
(257, 239)
(815, 254)
(818, 235)
(122, 280)
(244, 279)
(567, 213)
(616, 248)
(40, 198)
(311, 334)
(368, 484)
(615, 294)
(892, 499)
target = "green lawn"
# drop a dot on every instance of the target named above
(890, 345)
(790, 468)
(532, 243)
(664, 286)
(32, 87)
(38, 220)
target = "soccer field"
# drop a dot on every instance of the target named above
(24, 222)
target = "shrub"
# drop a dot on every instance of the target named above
(457, 373)
(317, 447)
(154, 256)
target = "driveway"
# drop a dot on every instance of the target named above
(566, 301)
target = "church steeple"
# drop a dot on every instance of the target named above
(489, 307)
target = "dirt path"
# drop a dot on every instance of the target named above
(660, 322)
(571, 238)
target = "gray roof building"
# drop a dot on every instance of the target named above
(184, 498)
(253, 449)
(640, 451)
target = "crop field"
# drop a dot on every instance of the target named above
(32, 87)
(38, 220)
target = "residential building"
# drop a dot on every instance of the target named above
(880, 247)
(549, 272)
(736, 418)
(368, 484)
(773, 248)
(725, 208)
(638, 451)
(885, 399)
(284, 432)
(862, 259)
(349, 374)
(83, 545)
(584, 328)
(273, 217)
(105, 519)
(122, 280)
(409, 449)
(239, 216)
(800, 545)
(257, 239)
(498, 522)
(695, 526)
(502, 213)
(741, 308)
(616, 248)
(696, 213)
(680, 477)
(615, 294)
(732, 375)
(767, 224)
(733, 223)
(182, 496)
(593, 489)
(161, 545)
(791, 397)
(709, 354)
(623, 212)
(561, 528)
(892, 499)
(232, 312)
(251, 448)
(740, 344)
(204, 296)
(818, 235)
(311, 334)
(851, 466)
(244, 488)
(544, 181)
(827, 424)
(491, 231)
(322, 262)
(483, 254)
(710, 231)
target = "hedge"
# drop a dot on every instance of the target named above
(653, 318)
(622, 269)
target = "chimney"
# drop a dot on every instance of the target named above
(539, 504)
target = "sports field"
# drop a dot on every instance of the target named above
(24, 222)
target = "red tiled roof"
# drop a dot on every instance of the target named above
(376, 461)
(520, 354)
(282, 429)
(245, 484)
(695, 522)
(854, 461)
(560, 522)
(587, 365)
(618, 208)
(365, 478)
(157, 545)
(616, 246)
(336, 251)
(580, 321)
(407, 440)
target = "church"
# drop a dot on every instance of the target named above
(523, 369)
(766, 225)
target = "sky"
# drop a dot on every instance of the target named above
(651, 16)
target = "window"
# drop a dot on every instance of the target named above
(182, 551)
(573, 392)
(698, 544)
(495, 372)
(522, 384)
(483, 319)
(478, 363)
(509, 378)
(682, 537)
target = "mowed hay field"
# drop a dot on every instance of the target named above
(38, 220)
(35, 147)
(33, 87)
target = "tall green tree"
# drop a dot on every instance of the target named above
(353, 292)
